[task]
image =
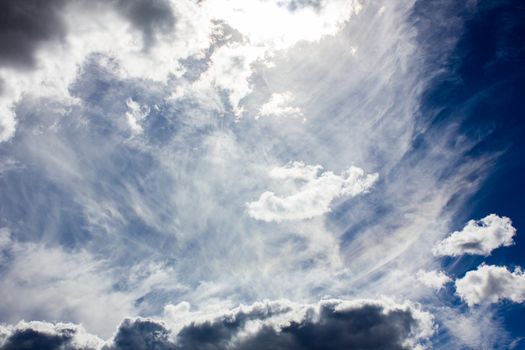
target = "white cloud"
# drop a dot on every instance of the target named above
(135, 115)
(313, 197)
(490, 284)
(272, 24)
(433, 279)
(50, 281)
(278, 105)
(230, 70)
(478, 237)
(99, 28)
(73, 286)
(266, 27)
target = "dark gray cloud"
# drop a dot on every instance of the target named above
(331, 326)
(24, 26)
(364, 327)
(148, 16)
(269, 325)
(54, 338)
(141, 334)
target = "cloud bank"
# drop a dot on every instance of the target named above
(330, 324)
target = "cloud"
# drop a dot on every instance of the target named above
(490, 284)
(42, 282)
(150, 17)
(312, 197)
(135, 115)
(329, 324)
(91, 202)
(135, 38)
(478, 237)
(433, 279)
(142, 334)
(278, 105)
(47, 336)
(24, 26)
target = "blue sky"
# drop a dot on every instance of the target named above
(261, 174)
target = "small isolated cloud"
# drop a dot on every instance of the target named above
(490, 284)
(279, 105)
(313, 196)
(433, 279)
(478, 237)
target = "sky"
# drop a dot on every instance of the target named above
(262, 174)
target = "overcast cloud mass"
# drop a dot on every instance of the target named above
(261, 174)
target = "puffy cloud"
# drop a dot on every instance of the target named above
(47, 336)
(278, 105)
(313, 196)
(329, 324)
(433, 279)
(142, 334)
(478, 237)
(332, 324)
(490, 284)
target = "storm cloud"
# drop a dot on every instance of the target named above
(330, 324)
(25, 26)
(150, 17)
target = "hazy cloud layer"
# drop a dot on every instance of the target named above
(490, 284)
(478, 237)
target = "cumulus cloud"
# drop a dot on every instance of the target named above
(329, 324)
(312, 197)
(279, 105)
(490, 284)
(433, 279)
(47, 336)
(478, 237)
